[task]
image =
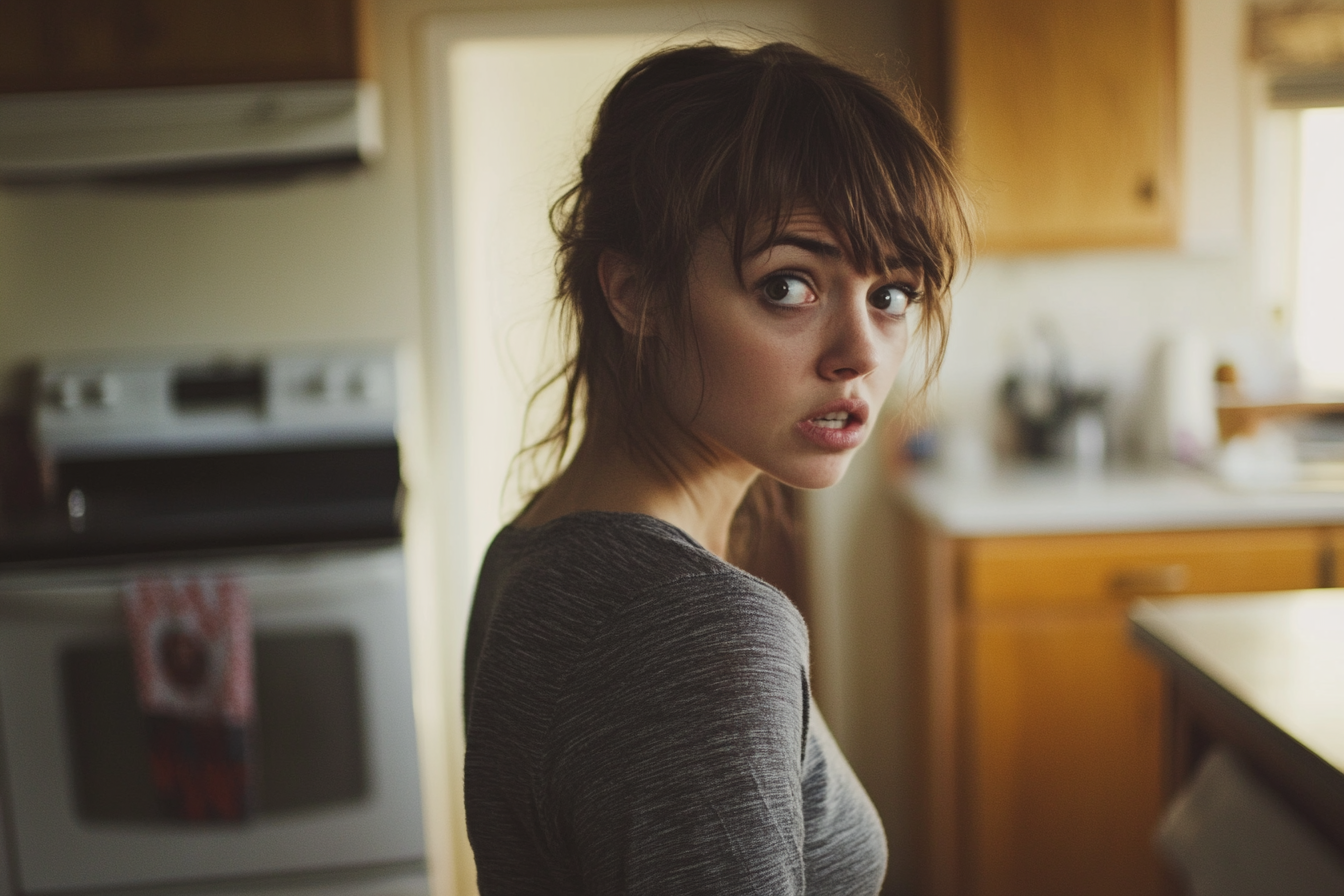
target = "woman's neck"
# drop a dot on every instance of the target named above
(604, 475)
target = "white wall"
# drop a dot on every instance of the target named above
(98, 268)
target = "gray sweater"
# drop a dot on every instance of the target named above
(639, 721)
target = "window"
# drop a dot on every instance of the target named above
(1319, 312)
(1298, 49)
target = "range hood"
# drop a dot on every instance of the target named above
(68, 135)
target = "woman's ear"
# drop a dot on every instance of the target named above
(620, 287)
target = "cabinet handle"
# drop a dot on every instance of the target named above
(1146, 189)
(1169, 579)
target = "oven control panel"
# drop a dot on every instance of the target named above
(110, 407)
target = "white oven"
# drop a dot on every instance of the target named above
(280, 476)
(335, 739)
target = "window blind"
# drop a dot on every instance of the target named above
(1301, 49)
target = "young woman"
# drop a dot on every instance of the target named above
(740, 261)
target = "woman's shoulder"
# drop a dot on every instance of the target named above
(607, 538)
(636, 551)
(640, 572)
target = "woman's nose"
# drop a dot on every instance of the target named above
(851, 348)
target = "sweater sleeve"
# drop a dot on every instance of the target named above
(676, 760)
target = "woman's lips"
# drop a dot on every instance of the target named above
(836, 425)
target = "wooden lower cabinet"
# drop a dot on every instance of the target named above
(1041, 724)
(1064, 752)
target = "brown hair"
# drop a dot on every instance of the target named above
(704, 135)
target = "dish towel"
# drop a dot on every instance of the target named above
(191, 641)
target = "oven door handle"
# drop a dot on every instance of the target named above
(87, 605)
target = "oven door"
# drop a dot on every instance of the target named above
(338, 787)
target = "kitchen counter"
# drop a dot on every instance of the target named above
(1263, 673)
(1044, 500)
(1037, 723)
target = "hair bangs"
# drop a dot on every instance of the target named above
(855, 157)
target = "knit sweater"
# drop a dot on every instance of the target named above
(639, 721)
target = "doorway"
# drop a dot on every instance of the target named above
(516, 98)
(508, 100)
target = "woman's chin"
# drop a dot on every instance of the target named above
(817, 473)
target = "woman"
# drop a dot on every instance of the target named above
(738, 261)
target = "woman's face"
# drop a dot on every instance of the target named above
(797, 356)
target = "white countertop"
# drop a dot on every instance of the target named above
(1277, 653)
(1037, 501)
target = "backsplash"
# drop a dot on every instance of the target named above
(1109, 310)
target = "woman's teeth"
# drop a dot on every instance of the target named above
(835, 420)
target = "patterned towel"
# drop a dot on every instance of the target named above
(191, 640)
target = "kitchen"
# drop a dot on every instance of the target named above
(350, 256)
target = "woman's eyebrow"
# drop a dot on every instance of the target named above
(823, 248)
(807, 244)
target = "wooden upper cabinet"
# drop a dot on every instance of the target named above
(99, 44)
(1063, 120)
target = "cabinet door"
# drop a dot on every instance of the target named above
(1335, 559)
(1064, 720)
(1061, 724)
(1064, 120)
(93, 44)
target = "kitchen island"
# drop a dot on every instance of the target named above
(1263, 674)
(1032, 724)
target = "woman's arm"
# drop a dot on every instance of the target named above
(676, 763)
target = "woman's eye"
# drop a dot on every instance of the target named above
(891, 299)
(785, 291)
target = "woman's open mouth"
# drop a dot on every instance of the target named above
(837, 426)
(835, 420)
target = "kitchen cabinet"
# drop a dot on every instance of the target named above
(1062, 717)
(1061, 116)
(1334, 562)
(101, 44)
(1036, 724)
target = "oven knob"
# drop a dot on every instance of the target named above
(317, 386)
(63, 393)
(102, 391)
(76, 506)
(367, 383)
(358, 386)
